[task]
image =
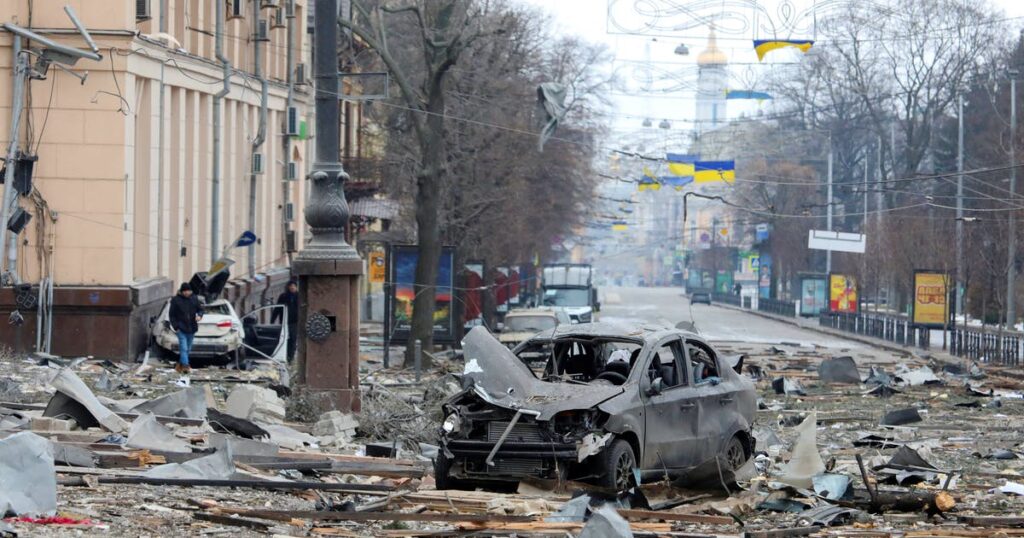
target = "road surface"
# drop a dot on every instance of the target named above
(721, 325)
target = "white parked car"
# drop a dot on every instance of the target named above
(223, 337)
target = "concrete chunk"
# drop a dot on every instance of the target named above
(257, 404)
(337, 425)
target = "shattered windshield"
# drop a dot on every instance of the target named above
(534, 324)
(581, 359)
(567, 297)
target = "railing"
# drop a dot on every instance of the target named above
(890, 328)
(726, 298)
(986, 344)
(775, 306)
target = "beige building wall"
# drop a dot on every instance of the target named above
(98, 142)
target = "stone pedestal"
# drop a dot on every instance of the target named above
(328, 340)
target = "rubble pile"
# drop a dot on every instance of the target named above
(846, 446)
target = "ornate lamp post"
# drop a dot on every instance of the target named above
(328, 267)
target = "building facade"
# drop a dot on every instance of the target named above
(126, 199)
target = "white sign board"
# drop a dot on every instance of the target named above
(836, 241)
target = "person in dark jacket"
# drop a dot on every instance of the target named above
(184, 316)
(290, 300)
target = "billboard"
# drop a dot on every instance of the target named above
(842, 293)
(813, 295)
(931, 294)
(473, 296)
(378, 267)
(403, 261)
(764, 276)
(836, 241)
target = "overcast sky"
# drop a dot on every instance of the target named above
(588, 19)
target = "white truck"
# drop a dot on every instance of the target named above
(570, 286)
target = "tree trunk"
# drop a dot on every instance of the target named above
(428, 229)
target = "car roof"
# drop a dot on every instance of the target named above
(626, 331)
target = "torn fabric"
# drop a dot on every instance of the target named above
(551, 109)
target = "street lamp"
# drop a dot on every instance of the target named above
(664, 125)
(682, 50)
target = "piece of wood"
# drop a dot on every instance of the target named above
(232, 521)
(672, 516)
(366, 489)
(376, 516)
(992, 521)
(783, 533)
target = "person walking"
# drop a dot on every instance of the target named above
(184, 315)
(290, 300)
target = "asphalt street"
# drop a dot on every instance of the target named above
(668, 306)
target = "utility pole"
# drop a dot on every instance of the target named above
(828, 205)
(10, 196)
(959, 205)
(1011, 269)
(327, 358)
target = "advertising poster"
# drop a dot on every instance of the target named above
(514, 286)
(403, 274)
(842, 293)
(378, 267)
(764, 276)
(724, 281)
(931, 291)
(813, 296)
(473, 298)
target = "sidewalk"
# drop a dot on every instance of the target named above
(811, 324)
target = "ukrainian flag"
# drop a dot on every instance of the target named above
(747, 94)
(677, 182)
(714, 171)
(764, 46)
(679, 164)
(619, 226)
(649, 181)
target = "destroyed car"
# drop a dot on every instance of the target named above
(610, 400)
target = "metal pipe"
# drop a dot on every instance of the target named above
(85, 33)
(1011, 269)
(828, 205)
(9, 197)
(289, 103)
(959, 205)
(261, 132)
(215, 179)
(160, 177)
(49, 43)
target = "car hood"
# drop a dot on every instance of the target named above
(516, 336)
(499, 377)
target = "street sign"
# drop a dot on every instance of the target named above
(836, 241)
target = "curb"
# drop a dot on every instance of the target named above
(882, 344)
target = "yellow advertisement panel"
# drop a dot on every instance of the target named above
(378, 269)
(930, 293)
(842, 293)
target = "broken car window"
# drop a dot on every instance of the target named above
(705, 366)
(665, 365)
(589, 359)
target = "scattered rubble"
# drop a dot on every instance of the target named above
(109, 449)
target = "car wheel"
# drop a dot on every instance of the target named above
(618, 464)
(735, 454)
(442, 480)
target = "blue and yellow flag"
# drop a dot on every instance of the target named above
(764, 46)
(680, 164)
(746, 94)
(619, 226)
(649, 181)
(714, 171)
(677, 182)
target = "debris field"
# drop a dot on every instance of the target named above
(847, 445)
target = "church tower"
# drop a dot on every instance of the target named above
(712, 82)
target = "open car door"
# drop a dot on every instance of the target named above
(263, 339)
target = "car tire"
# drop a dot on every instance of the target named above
(442, 464)
(617, 464)
(735, 455)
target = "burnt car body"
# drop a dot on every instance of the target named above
(611, 399)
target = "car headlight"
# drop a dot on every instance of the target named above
(450, 424)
